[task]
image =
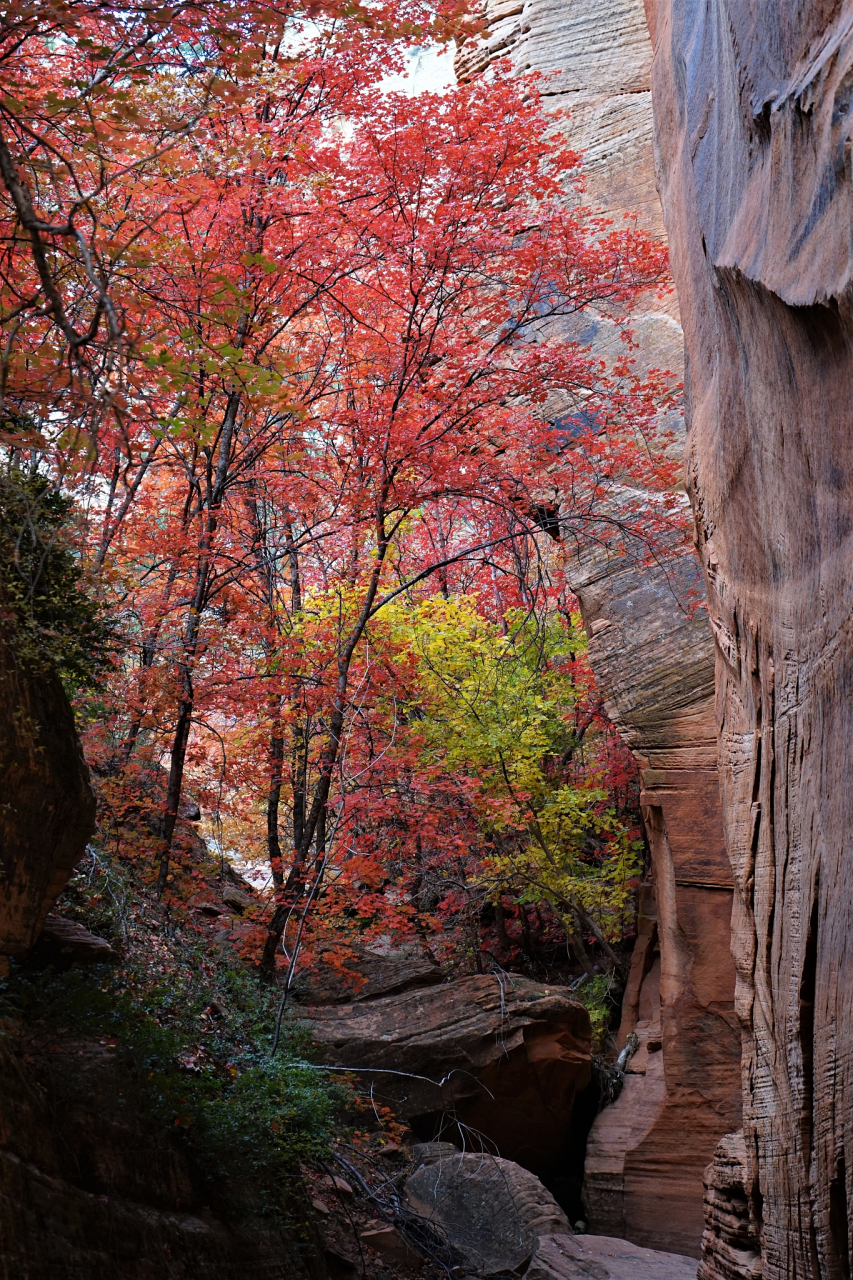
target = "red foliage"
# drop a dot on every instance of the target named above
(307, 330)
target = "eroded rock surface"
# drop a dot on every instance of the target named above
(604, 1258)
(731, 1248)
(370, 973)
(503, 1056)
(47, 808)
(653, 657)
(647, 1152)
(491, 1210)
(753, 121)
(88, 1193)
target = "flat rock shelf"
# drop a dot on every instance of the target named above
(604, 1258)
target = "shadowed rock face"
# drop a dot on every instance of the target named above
(730, 1246)
(47, 809)
(753, 123)
(654, 663)
(504, 1058)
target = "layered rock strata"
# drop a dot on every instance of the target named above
(494, 1060)
(653, 658)
(754, 133)
(731, 1249)
(647, 1152)
(90, 1192)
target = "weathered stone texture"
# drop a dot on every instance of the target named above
(503, 1056)
(47, 809)
(647, 1152)
(654, 662)
(752, 105)
(731, 1248)
(89, 1192)
(491, 1210)
(604, 1258)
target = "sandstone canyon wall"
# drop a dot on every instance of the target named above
(647, 1152)
(655, 665)
(47, 809)
(754, 129)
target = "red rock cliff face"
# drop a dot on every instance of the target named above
(753, 123)
(647, 1152)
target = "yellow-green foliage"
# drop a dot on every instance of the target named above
(499, 708)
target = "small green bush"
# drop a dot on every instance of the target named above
(43, 602)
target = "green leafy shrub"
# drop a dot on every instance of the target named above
(43, 602)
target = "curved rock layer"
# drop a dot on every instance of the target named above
(477, 1059)
(753, 121)
(654, 662)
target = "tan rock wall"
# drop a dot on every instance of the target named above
(648, 1151)
(654, 662)
(752, 104)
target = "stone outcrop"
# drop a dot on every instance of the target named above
(500, 1219)
(88, 1193)
(65, 942)
(753, 123)
(731, 1249)
(604, 1258)
(47, 808)
(369, 973)
(652, 653)
(483, 1058)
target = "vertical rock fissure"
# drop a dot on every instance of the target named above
(808, 982)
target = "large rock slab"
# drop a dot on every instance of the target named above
(753, 123)
(604, 1258)
(500, 1057)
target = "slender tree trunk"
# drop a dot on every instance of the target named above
(295, 884)
(191, 634)
(298, 783)
(274, 795)
(320, 839)
(176, 778)
(500, 923)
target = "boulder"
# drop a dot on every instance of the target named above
(754, 132)
(490, 1210)
(386, 1239)
(604, 1258)
(66, 942)
(499, 1058)
(501, 1220)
